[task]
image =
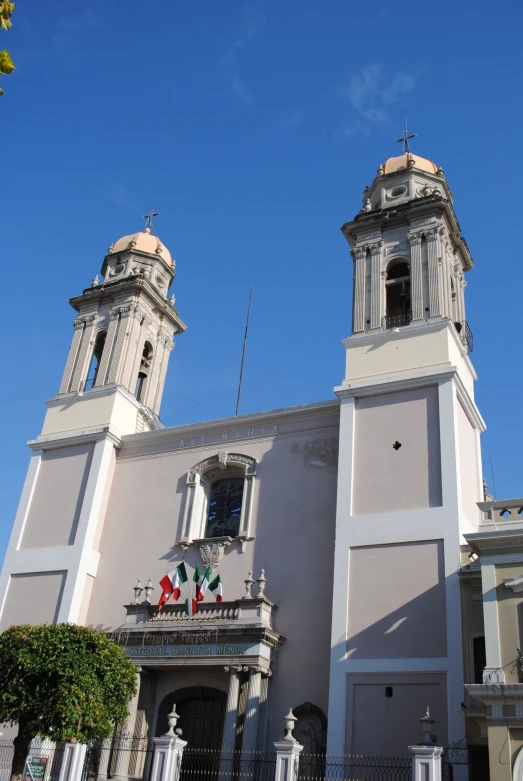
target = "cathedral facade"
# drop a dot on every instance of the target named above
(330, 533)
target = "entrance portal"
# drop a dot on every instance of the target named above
(202, 713)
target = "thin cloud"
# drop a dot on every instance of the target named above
(251, 28)
(121, 198)
(370, 93)
(288, 121)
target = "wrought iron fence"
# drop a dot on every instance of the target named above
(42, 754)
(123, 756)
(397, 320)
(353, 767)
(216, 765)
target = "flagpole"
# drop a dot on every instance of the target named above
(243, 354)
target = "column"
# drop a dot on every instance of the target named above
(124, 741)
(168, 347)
(231, 711)
(115, 368)
(493, 672)
(375, 286)
(358, 324)
(83, 357)
(434, 287)
(105, 753)
(134, 327)
(114, 320)
(416, 285)
(250, 725)
(79, 327)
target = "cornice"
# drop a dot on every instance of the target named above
(70, 438)
(271, 417)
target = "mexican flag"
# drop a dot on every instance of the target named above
(216, 586)
(179, 578)
(203, 584)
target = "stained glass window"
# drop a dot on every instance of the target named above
(225, 506)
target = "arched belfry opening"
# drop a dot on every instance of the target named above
(94, 366)
(143, 372)
(397, 294)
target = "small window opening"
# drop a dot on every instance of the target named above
(225, 507)
(143, 373)
(388, 691)
(505, 514)
(98, 349)
(397, 298)
(396, 445)
(479, 657)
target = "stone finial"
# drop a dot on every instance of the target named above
(149, 590)
(249, 580)
(368, 206)
(110, 249)
(380, 170)
(262, 582)
(440, 172)
(172, 299)
(137, 591)
(426, 190)
(95, 281)
(172, 718)
(289, 721)
(427, 724)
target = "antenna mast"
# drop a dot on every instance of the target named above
(243, 353)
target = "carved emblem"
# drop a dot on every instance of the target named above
(211, 553)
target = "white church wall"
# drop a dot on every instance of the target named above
(33, 598)
(471, 492)
(388, 479)
(397, 605)
(57, 498)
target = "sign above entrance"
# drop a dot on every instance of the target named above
(198, 650)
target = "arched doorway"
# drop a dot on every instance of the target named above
(202, 713)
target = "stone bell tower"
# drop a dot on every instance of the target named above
(122, 339)
(112, 386)
(409, 475)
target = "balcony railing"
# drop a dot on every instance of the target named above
(465, 334)
(396, 321)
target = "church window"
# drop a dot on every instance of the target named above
(397, 294)
(143, 372)
(98, 349)
(479, 658)
(219, 498)
(225, 507)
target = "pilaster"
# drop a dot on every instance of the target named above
(434, 281)
(376, 286)
(114, 321)
(359, 256)
(84, 354)
(79, 328)
(416, 285)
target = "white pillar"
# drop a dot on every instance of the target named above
(168, 753)
(426, 762)
(493, 672)
(288, 752)
(434, 281)
(359, 256)
(376, 286)
(416, 278)
(105, 753)
(231, 712)
(124, 742)
(250, 724)
(72, 762)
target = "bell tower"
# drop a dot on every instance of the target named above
(409, 472)
(123, 335)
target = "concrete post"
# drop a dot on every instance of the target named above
(168, 753)
(72, 762)
(288, 752)
(105, 753)
(124, 741)
(231, 712)
(426, 763)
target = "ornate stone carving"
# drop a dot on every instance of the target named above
(414, 239)
(431, 235)
(211, 553)
(359, 253)
(375, 249)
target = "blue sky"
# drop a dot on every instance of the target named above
(253, 129)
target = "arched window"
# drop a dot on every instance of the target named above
(219, 499)
(225, 507)
(143, 372)
(397, 294)
(98, 349)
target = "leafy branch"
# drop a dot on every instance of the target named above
(6, 63)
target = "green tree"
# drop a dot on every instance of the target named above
(63, 682)
(6, 63)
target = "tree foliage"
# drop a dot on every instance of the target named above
(6, 63)
(63, 682)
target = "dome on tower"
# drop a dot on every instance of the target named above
(144, 241)
(408, 160)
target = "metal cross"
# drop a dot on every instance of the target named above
(405, 139)
(149, 218)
